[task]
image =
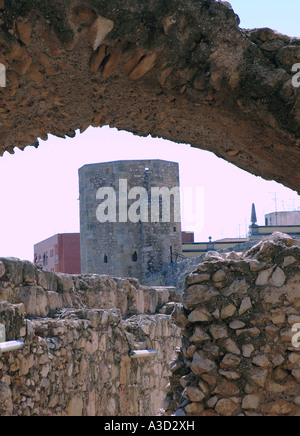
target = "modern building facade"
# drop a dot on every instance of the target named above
(129, 217)
(60, 253)
(283, 219)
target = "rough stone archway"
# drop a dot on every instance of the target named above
(179, 69)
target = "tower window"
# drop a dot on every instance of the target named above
(105, 259)
(134, 257)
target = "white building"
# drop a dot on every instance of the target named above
(282, 219)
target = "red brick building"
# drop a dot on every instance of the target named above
(60, 253)
(188, 237)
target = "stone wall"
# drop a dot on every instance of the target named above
(237, 317)
(79, 332)
(131, 242)
(45, 293)
(182, 70)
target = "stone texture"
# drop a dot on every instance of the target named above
(251, 402)
(99, 30)
(199, 336)
(157, 65)
(278, 278)
(219, 276)
(249, 365)
(49, 292)
(193, 394)
(263, 277)
(201, 365)
(200, 315)
(228, 311)
(145, 246)
(228, 407)
(245, 306)
(230, 361)
(78, 339)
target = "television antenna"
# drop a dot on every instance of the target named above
(275, 199)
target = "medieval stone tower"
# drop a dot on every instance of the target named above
(129, 217)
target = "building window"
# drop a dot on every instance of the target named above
(51, 253)
(134, 257)
(45, 259)
(105, 259)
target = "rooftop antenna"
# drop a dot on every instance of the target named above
(293, 207)
(275, 199)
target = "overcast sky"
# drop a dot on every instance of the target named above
(39, 188)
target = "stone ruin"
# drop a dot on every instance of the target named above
(79, 333)
(237, 316)
(185, 71)
(231, 341)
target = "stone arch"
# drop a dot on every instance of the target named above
(181, 70)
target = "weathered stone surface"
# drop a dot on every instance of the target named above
(194, 279)
(248, 350)
(245, 306)
(227, 389)
(218, 331)
(230, 361)
(248, 362)
(261, 361)
(6, 403)
(232, 347)
(228, 311)
(194, 409)
(202, 365)
(278, 408)
(234, 76)
(219, 276)
(278, 278)
(43, 292)
(194, 295)
(99, 30)
(199, 336)
(238, 286)
(251, 402)
(79, 341)
(193, 394)
(228, 407)
(200, 315)
(263, 277)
